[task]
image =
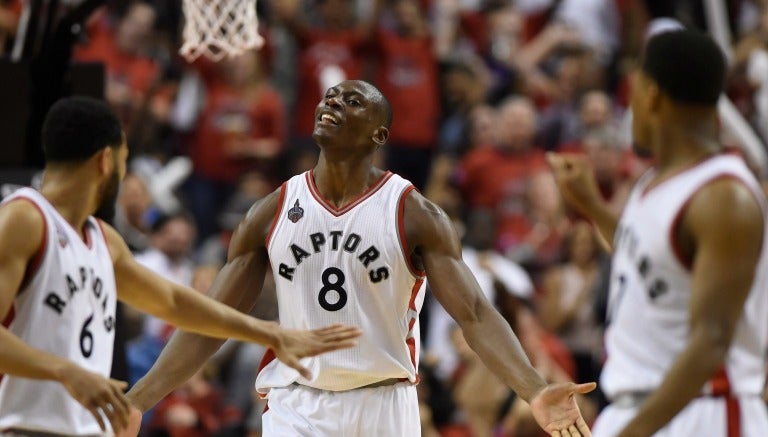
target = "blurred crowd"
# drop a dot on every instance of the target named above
(481, 91)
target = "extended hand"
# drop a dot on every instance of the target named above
(134, 424)
(294, 345)
(556, 411)
(98, 395)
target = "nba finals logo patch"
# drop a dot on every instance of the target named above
(295, 213)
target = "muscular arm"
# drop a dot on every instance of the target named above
(238, 285)
(438, 250)
(724, 223)
(21, 234)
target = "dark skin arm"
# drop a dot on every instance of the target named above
(237, 285)
(436, 249)
(724, 265)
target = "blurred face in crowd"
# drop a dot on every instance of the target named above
(175, 238)
(135, 29)
(337, 14)
(595, 109)
(483, 119)
(240, 70)
(605, 155)
(516, 125)
(134, 200)
(504, 27)
(408, 16)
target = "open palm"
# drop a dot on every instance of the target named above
(556, 411)
(293, 345)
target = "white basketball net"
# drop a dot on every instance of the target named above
(219, 28)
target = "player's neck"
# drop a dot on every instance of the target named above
(683, 144)
(342, 180)
(73, 198)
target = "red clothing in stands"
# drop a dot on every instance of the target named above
(230, 114)
(407, 75)
(138, 72)
(490, 178)
(321, 49)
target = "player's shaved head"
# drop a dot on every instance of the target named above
(375, 96)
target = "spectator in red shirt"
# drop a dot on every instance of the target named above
(407, 75)
(123, 47)
(241, 128)
(328, 54)
(498, 177)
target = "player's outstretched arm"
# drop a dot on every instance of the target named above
(21, 234)
(724, 224)
(576, 180)
(237, 285)
(437, 249)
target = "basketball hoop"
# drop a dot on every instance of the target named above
(219, 28)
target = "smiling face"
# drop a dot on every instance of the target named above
(353, 114)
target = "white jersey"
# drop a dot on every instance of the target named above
(66, 306)
(651, 290)
(348, 266)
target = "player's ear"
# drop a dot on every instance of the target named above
(653, 97)
(106, 160)
(380, 135)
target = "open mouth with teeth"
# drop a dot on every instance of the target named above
(327, 118)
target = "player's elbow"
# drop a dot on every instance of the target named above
(475, 312)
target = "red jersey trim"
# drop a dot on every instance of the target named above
(37, 260)
(411, 341)
(676, 250)
(87, 236)
(401, 232)
(277, 215)
(104, 236)
(348, 207)
(733, 416)
(720, 386)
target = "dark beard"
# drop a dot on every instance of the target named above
(106, 210)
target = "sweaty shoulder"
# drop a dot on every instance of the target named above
(251, 233)
(22, 227)
(717, 209)
(428, 227)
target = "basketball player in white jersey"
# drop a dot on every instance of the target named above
(61, 274)
(350, 243)
(688, 306)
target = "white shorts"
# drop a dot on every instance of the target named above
(298, 410)
(706, 416)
